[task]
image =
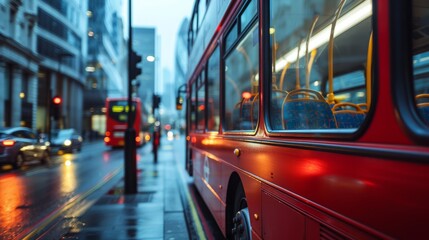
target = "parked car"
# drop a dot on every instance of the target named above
(19, 145)
(66, 140)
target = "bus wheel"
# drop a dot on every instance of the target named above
(241, 228)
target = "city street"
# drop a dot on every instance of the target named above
(36, 196)
(79, 196)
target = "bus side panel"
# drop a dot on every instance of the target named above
(252, 186)
(378, 196)
(211, 176)
(284, 215)
(281, 220)
(197, 170)
(206, 178)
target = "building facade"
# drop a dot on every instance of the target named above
(106, 65)
(181, 68)
(61, 42)
(144, 45)
(19, 63)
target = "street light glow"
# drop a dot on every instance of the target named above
(90, 69)
(150, 58)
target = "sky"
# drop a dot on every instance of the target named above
(166, 16)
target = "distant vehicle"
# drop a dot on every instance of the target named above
(117, 120)
(66, 140)
(19, 145)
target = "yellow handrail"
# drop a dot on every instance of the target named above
(297, 66)
(309, 63)
(274, 57)
(369, 73)
(282, 77)
(331, 97)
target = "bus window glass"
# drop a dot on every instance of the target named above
(421, 58)
(190, 40)
(201, 106)
(118, 110)
(213, 81)
(248, 14)
(195, 22)
(193, 106)
(231, 37)
(201, 11)
(241, 84)
(319, 82)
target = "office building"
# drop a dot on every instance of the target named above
(61, 43)
(19, 63)
(144, 45)
(106, 64)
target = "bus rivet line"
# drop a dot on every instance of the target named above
(256, 216)
(237, 152)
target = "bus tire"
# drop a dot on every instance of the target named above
(240, 227)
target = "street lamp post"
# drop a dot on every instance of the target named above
(130, 164)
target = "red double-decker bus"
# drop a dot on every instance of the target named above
(320, 120)
(117, 120)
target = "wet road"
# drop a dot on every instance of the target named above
(33, 197)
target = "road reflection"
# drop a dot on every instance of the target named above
(68, 179)
(37, 198)
(12, 202)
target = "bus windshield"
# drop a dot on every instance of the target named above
(118, 110)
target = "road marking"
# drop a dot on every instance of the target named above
(31, 233)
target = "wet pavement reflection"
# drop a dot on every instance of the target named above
(37, 193)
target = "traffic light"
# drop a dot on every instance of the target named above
(179, 103)
(56, 103)
(135, 59)
(156, 100)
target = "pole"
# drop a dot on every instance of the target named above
(130, 133)
(49, 111)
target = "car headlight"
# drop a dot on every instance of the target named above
(67, 142)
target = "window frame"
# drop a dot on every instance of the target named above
(340, 134)
(402, 74)
(211, 58)
(226, 52)
(201, 85)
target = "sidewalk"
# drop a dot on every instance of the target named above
(155, 212)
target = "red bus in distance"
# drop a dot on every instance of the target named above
(117, 121)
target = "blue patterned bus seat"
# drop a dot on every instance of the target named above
(307, 109)
(348, 115)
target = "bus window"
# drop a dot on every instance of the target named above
(231, 37)
(248, 14)
(421, 59)
(118, 110)
(201, 105)
(320, 64)
(193, 105)
(241, 83)
(213, 81)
